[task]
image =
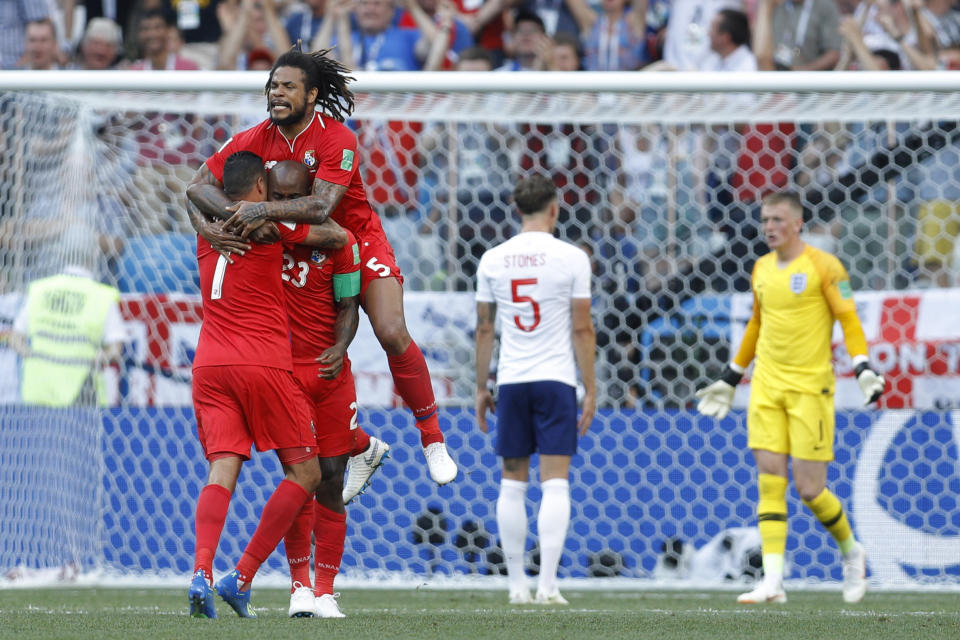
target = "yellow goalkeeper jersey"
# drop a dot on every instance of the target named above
(794, 308)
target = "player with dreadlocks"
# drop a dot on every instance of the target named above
(307, 100)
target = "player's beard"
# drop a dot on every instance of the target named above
(295, 115)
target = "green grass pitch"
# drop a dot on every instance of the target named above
(104, 614)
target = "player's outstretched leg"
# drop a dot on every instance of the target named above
(383, 302)
(200, 596)
(362, 465)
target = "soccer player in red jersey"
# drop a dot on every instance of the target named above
(308, 99)
(322, 290)
(244, 394)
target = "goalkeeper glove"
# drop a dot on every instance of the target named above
(716, 399)
(871, 382)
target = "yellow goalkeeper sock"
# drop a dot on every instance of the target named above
(830, 513)
(772, 521)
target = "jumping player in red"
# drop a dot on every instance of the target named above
(322, 289)
(244, 394)
(308, 99)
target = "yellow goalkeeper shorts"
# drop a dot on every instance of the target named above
(791, 422)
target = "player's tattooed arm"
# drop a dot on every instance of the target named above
(205, 196)
(312, 209)
(344, 329)
(206, 204)
(486, 316)
(328, 235)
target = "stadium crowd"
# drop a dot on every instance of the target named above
(665, 214)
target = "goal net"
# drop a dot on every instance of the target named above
(660, 179)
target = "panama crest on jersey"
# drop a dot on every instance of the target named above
(318, 257)
(269, 164)
(798, 282)
(308, 158)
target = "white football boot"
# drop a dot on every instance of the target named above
(301, 602)
(326, 606)
(442, 467)
(855, 574)
(361, 467)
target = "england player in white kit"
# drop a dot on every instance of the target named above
(539, 289)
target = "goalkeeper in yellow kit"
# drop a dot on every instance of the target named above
(798, 292)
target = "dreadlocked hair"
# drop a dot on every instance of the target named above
(325, 74)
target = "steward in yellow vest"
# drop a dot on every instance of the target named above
(63, 323)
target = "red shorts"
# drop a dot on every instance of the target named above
(242, 405)
(334, 408)
(377, 261)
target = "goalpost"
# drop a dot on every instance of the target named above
(660, 177)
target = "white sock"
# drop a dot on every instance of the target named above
(512, 523)
(552, 521)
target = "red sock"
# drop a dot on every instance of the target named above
(212, 506)
(361, 443)
(412, 380)
(329, 531)
(297, 545)
(278, 514)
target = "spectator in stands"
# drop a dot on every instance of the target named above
(200, 25)
(248, 25)
(14, 17)
(558, 16)
(687, 38)
(729, 43)
(528, 40)
(486, 21)
(477, 204)
(943, 17)
(919, 47)
(100, 46)
(796, 34)
(375, 44)
(615, 39)
(863, 58)
(154, 44)
(303, 22)
(564, 53)
(41, 52)
(452, 35)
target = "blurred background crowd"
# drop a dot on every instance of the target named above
(667, 212)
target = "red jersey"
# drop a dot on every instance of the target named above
(314, 280)
(329, 150)
(244, 313)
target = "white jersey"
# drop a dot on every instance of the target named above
(532, 278)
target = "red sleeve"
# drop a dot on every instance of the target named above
(240, 142)
(347, 258)
(292, 233)
(338, 155)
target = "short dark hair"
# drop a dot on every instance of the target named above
(533, 194)
(478, 53)
(323, 73)
(565, 39)
(892, 58)
(163, 14)
(240, 173)
(736, 24)
(46, 22)
(791, 198)
(523, 15)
